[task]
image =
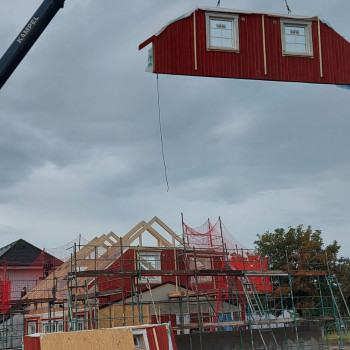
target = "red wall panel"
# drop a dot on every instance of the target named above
(174, 53)
(115, 282)
(162, 338)
(31, 343)
(128, 261)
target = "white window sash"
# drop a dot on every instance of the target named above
(235, 34)
(307, 26)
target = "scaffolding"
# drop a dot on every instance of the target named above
(202, 281)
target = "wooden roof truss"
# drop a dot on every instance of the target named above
(99, 254)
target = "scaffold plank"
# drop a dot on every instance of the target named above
(136, 273)
(206, 325)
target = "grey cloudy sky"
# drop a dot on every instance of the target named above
(79, 138)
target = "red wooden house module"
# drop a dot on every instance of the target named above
(225, 43)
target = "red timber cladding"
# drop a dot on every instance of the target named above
(174, 53)
(109, 283)
(31, 343)
(336, 55)
(158, 338)
(168, 262)
(129, 263)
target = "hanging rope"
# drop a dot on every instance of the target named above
(161, 136)
(288, 8)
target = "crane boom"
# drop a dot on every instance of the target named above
(27, 37)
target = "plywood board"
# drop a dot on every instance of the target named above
(113, 316)
(102, 339)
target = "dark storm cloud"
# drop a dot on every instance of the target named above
(273, 140)
(20, 151)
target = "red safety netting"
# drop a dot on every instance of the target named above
(209, 236)
(222, 251)
(5, 292)
(252, 262)
(218, 239)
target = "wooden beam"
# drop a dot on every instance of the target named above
(155, 338)
(195, 40)
(112, 234)
(110, 241)
(320, 46)
(260, 322)
(135, 273)
(308, 273)
(146, 42)
(137, 227)
(159, 237)
(135, 233)
(176, 294)
(138, 230)
(264, 43)
(168, 229)
(266, 273)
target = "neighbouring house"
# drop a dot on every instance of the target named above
(24, 266)
(226, 43)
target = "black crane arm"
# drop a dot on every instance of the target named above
(27, 37)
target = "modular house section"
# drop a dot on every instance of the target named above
(215, 42)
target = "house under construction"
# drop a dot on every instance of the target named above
(212, 290)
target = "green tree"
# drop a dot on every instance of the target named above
(300, 250)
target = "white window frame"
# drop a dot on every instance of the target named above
(307, 25)
(46, 326)
(79, 325)
(140, 339)
(31, 327)
(235, 32)
(55, 324)
(59, 325)
(150, 279)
